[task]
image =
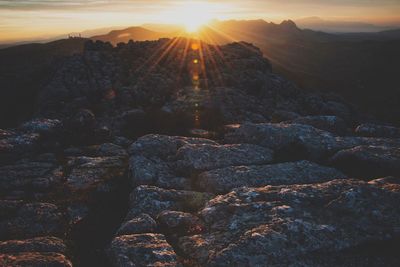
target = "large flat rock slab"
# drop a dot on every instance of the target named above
(300, 172)
(196, 158)
(299, 141)
(295, 225)
(142, 250)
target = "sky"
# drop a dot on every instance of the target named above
(30, 19)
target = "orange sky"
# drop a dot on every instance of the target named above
(28, 19)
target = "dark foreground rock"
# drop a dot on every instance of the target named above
(297, 225)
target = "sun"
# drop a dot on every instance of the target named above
(193, 14)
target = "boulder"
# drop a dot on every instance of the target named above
(38, 244)
(138, 225)
(300, 172)
(88, 172)
(369, 161)
(142, 250)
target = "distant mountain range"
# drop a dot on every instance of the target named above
(334, 26)
(361, 67)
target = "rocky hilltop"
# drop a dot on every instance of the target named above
(179, 153)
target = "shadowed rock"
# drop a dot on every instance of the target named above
(88, 172)
(138, 225)
(301, 172)
(331, 124)
(374, 130)
(20, 220)
(369, 161)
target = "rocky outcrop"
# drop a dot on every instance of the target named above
(84, 180)
(292, 225)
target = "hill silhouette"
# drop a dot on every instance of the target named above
(361, 67)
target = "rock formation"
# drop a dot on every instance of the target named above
(136, 156)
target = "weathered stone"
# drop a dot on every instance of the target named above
(42, 126)
(299, 141)
(142, 250)
(369, 161)
(163, 146)
(196, 158)
(20, 220)
(296, 225)
(16, 145)
(88, 172)
(153, 200)
(283, 115)
(109, 149)
(34, 259)
(331, 124)
(374, 130)
(138, 225)
(147, 171)
(25, 175)
(39, 244)
(301, 172)
(179, 223)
